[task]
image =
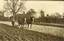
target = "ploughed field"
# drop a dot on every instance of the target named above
(9, 33)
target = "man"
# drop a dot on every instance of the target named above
(13, 22)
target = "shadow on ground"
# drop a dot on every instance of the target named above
(9, 33)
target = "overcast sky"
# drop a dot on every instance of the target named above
(47, 6)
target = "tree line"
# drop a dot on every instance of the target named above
(57, 18)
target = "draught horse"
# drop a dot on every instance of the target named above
(20, 20)
(29, 21)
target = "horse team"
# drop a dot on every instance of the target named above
(24, 20)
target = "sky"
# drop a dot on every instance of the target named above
(49, 7)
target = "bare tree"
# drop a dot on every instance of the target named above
(31, 12)
(14, 7)
(58, 15)
(2, 12)
(42, 13)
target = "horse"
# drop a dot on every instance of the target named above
(20, 20)
(29, 21)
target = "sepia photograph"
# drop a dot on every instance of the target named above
(31, 20)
